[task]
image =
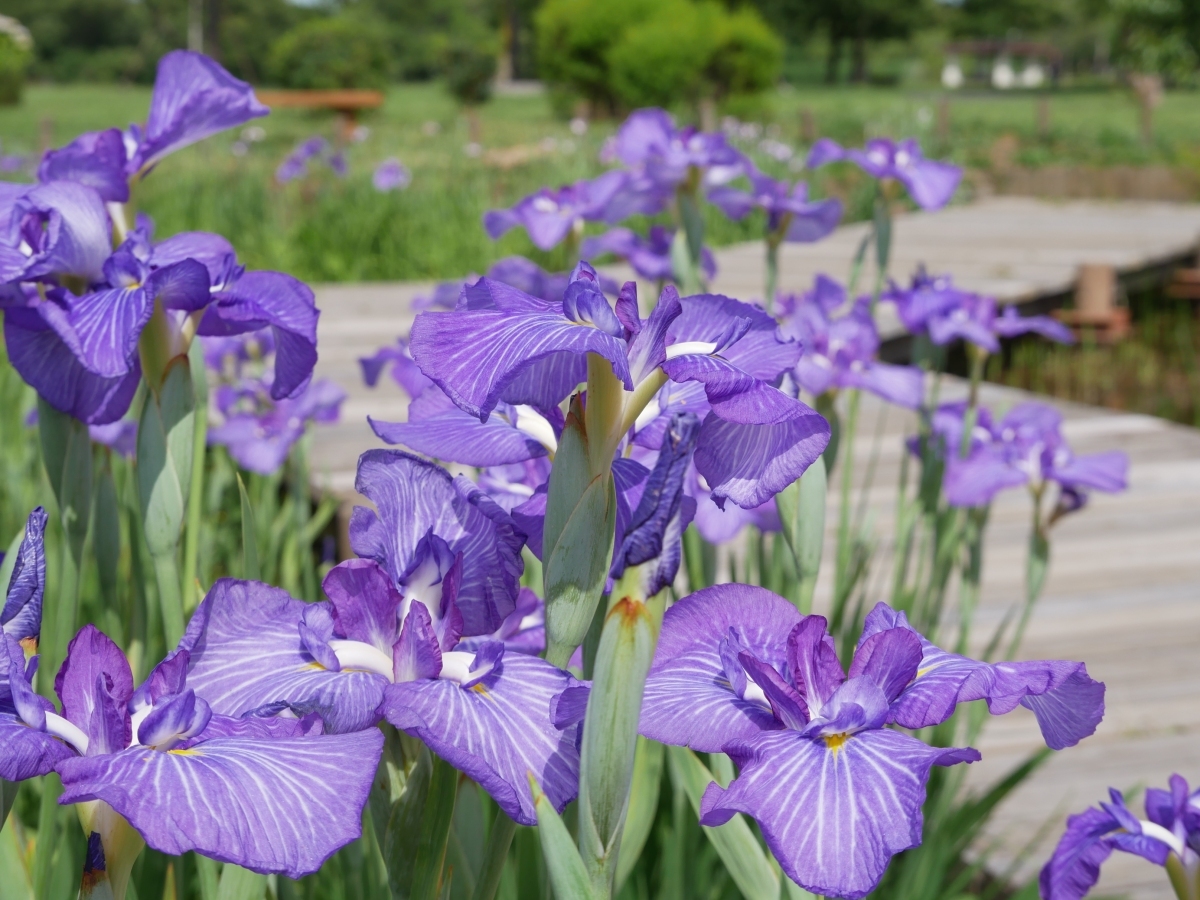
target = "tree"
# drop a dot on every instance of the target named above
(848, 24)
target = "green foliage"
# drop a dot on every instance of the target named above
(1151, 37)
(661, 61)
(575, 38)
(621, 55)
(344, 51)
(14, 63)
(748, 57)
(468, 65)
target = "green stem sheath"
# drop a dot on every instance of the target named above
(166, 573)
(842, 573)
(191, 547)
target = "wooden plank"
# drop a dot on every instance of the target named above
(341, 100)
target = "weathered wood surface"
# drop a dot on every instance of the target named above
(1124, 587)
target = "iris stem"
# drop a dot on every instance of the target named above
(166, 572)
(191, 547)
(842, 584)
(772, 286)
(494, 856)
(49, 822)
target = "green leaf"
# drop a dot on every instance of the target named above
(567, 872)
(164, 458)
(241, 884)
(581, 515)
(67, 455)
(610, 733)
(8, 796)
(15, 883)
(801, 508)
(735, 843)
(414, 841)
(429, 865)
(494, 856)
(643, 806)
(250, 569)
(106, 540)
(208, 874)
(398, 841)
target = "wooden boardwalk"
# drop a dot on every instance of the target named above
(1124, 587)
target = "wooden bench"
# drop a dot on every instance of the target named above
(1185, 285)
(346, 103)
(1096, 311)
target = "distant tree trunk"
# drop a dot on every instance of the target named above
(212, 30)
(858, 57)
(514, 41)
(833, 61)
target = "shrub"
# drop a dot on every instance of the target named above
(575, 38)
(15, 56)
(342, 51)
(661, 61)
(748, 56)
(620, 54)
(467, 61)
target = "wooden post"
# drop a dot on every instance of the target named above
(943, 121)
(808, 126)
(1043, 117)
(46, 133)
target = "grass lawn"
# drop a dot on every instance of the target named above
(324, 228)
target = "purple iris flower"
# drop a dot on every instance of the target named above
(837, 793)
(840, 353)
(1027, 448)
(404, 369)
(649, 256)
(55, 230)
(933, 305)
(425, 520)
(295, 164)
(503, 345)
(438, 428)
(245, 791)
(648, 141)
(513, 484)
(515, 271)
(80, 351)
(931, 184)
(523, 631)
(257, 429)
(391, 175)
(652, 534)
(550, 215)
(374, 652)
(717, 525)
(119, 436)
(21, 617)
(789, 212)
(1170, 834)
(95, 159)
(193, 98)
(946, 431)
(662, 159)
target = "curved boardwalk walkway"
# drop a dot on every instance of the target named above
(1123, 592)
